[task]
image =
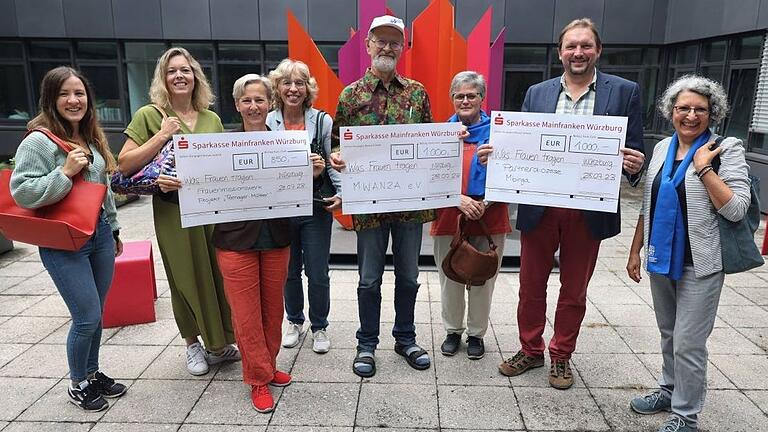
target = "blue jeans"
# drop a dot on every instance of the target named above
(310, 249)
(371, 252)
(83, 278)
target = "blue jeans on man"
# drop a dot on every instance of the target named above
(371, 253)
(83, 278)
(310, 249)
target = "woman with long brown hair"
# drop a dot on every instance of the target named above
(181, 91)
(43, 176)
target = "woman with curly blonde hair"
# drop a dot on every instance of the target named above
(180, 96)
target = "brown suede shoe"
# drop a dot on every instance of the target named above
(560, 375)
(520, 363)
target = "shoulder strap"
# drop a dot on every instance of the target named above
(319, 133)
(63, 145)
(160, 110)
(716, 160)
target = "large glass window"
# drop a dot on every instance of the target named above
(140, 60)
(516, 85)
(741, 93)
(14, 99)
(98, 62)
(235, 60)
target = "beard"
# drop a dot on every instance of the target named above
(384, 64)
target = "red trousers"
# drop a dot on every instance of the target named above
(566, 229)
(253, 283)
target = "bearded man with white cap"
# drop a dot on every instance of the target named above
(380, 97)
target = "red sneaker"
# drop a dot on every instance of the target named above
(261, 399)
(281, 379)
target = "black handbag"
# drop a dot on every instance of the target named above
(737, 239)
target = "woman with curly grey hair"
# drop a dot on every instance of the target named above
(683, 196)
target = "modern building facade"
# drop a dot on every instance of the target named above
(116, 42)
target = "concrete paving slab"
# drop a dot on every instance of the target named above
(613, 371)
(39, 361)
(730, 341)
(12, 305)
(758, 296)
(59, 337)
(8, 282)
(551, 409)
(36, 285)
(51, 306)
(171, 363)
(26, 391)
(642, 340)
(731, 297)
(336, 401)
(134, 427)
(9, 352)
(144, 403)
(743, 316)
(615, 294)
(20, 426)
(228, 402)
(731, 411)
(600, 340)
(748, 372)
(460, 370)
(29, 329)
(715, 378)
(160, 332)
(308, 429)
(758, 336)
(55, 406)
(481, 407)
(614, 403)
(398, 405)
(22, 268)
(335, 366)
(759, 398)
(746, 279)
(392, 368)
(341, 334)
(628, 315)
(112, 359)
(220, 428)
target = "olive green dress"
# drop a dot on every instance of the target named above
(197, 290)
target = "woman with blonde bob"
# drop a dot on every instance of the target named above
(253, 256)
(691, 182)
(310, 235)
(180, 90)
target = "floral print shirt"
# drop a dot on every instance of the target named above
(367, 102)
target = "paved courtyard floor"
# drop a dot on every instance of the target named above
(617, 358)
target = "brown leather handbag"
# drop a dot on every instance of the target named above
(467, 265)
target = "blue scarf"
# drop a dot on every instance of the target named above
(666, 252)
(479, 133)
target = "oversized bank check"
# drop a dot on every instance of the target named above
(556, 160)
(237, 176)
(400, 167)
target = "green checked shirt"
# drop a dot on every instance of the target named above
(367, 102)
(585, 105)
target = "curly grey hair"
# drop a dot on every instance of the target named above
(713, 91)
(471, 78)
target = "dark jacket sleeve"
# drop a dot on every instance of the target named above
(634, 129)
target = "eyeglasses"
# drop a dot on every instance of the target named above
(458, 97)
(696, 111)
(297, 83)
(380, 44)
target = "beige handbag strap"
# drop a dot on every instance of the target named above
(160, 110)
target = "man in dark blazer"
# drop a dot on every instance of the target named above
(582, 89)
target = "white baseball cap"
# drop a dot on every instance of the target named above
(388, 21)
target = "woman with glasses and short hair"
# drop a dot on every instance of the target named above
(684, 194)
(468, 90)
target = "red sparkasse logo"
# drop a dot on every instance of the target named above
(183, 143)
(348, 135)
(499, 120)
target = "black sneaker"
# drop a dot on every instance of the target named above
(450, 345)
(87, 399)
(106, 386)
(475, 348)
